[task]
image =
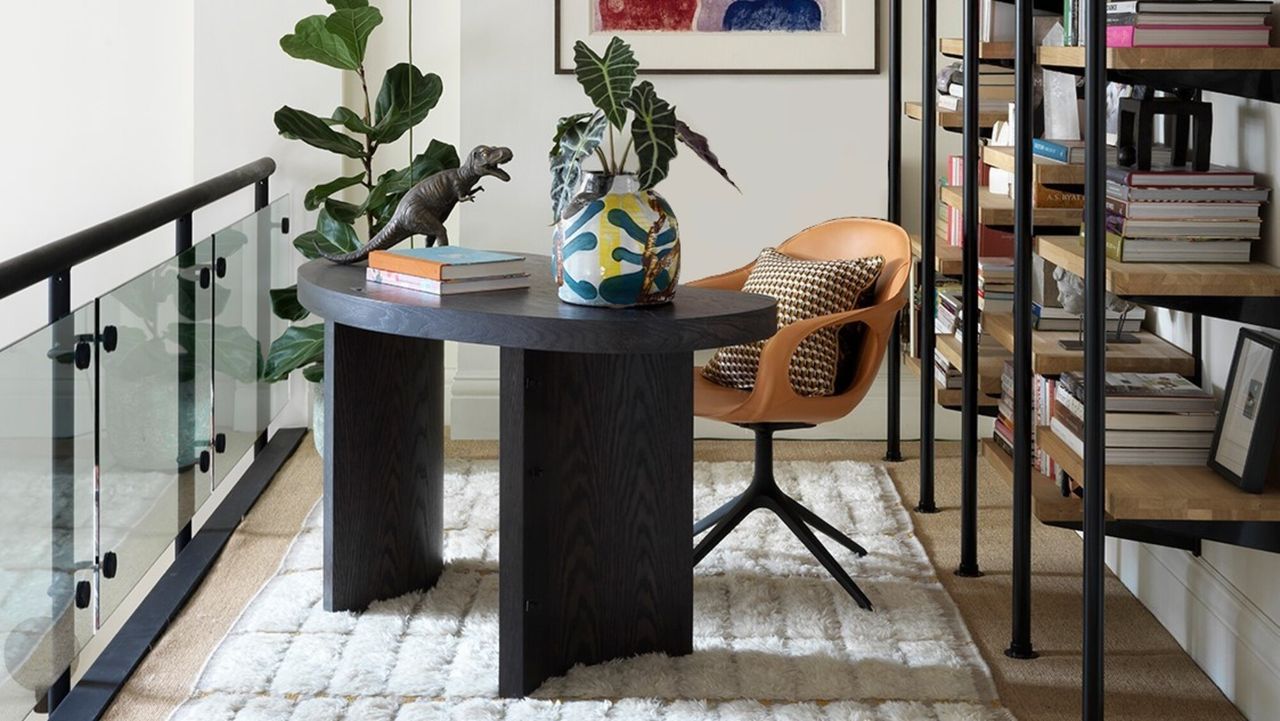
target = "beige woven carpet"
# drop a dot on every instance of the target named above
(1148, 676)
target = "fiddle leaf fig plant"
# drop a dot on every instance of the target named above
(656, 132)
(406, 97)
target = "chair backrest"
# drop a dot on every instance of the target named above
(851, 238)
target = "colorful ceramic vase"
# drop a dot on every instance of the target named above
(616, 245)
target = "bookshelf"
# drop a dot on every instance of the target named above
(947, 397)
(995, 209)
(947, 258)
(954, 48)
(1166, 59)
(990, 364)
(953, 119)
(1043, 170)
(1152, 354)
(1048, 505)
(1168, 279)
(1167, 493)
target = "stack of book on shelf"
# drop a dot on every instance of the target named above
(447, 270)
(1043, 389)
(1174, 23)
(991, 242)
(948, 312)
(1050, 318)
(1174, 214)
(947, 375)
(1152, 419)
(995, 285)
(995, 89)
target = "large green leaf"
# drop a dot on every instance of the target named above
(312, 40)
(331, 236)
(343, 211)
(562, 126)
(404, 101)
(318, 194)
(578, 138)
(698, 143)
(314, 372)
(351, 120)
(301, 125)
(353, 26)
(395, 183)
(284, 303)
(344, 4)
(654, 133)
(607, 79)
(298, 346)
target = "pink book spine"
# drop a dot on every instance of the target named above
(1120, 36)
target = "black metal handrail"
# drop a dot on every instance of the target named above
(38, 265)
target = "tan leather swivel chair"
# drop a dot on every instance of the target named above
(773, 406)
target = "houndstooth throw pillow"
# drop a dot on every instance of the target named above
(804, 289)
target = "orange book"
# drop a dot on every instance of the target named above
(447, 262)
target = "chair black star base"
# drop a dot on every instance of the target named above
(764, 493)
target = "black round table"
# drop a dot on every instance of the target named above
(596, 489)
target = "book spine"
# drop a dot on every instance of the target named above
(1043, 196)
(391, 262)
(1120, 36)
(400, 280)
(1131, 6)
(1051, 150)
(1117, 207)
(1115, 246)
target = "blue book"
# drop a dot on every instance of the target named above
(447, 262)
(1053, 150)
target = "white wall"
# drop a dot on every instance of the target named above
(802, 148)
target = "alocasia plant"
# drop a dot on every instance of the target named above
(404, 100)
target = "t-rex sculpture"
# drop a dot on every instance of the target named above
(424, 209)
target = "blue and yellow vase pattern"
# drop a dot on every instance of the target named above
(619, 248)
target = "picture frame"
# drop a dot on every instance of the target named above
(853, 48)
(1244, 441)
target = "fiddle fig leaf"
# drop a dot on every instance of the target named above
(297, 347)
(312, 40)
(284, 303)
(344, 4)
(336, 230)
(314, 373)
(654, 133)
(697, 142)
(317, 195)
(352, 25)
(608, 79)
(578, 139)
(395, 183)
(350, 120)
(406, 97)
(301, 125)
(310, 243)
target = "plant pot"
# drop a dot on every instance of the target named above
(616, 246)
(317, 417)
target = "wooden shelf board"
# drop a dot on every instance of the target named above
(990, 362)
(1168, 493)
(1048, 504)
(996, 209)
(953, 119)
(1152, 355)
(1167, 58)
(947, 259)
(1043, 170)
(954, 48)
(1168, 279)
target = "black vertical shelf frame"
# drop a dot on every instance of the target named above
(893, 449)
(968, 567)
(928, 240)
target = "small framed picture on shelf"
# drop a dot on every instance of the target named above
(1244, 444)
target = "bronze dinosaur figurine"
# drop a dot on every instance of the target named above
(424, 209)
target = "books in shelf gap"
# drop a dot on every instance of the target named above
(946, 375)
(1182, 439)
(1166, 175)
(446, 287)
(1188, 36)
(1189, 228)
(1172, 210)
(1204, 194)
(1071, 152)
(1058, 319)
(995, 285)
(1200, 13)
(448, 262)
(1042, 391)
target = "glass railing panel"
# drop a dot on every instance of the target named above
(154, 420)
(46, 506)
(284, 273)
(241, 334)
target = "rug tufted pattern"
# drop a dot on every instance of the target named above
(775, 637)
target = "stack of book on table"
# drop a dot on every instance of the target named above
(447, 270)
(1174, 214)
(1187, 23)
(1042, 389)
(1152, 419)
(1048, 318)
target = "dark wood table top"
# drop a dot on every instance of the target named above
(535, 318)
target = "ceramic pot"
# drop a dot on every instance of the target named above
(616, 246)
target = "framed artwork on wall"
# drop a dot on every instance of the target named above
(728, 36)
(1244, 445)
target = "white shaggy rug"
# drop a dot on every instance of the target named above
(775, 637)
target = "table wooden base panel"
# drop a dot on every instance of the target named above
(596, 511)
(384, 445)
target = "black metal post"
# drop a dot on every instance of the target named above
(261, 200)
(893, 450)
(969, 406)
(62, 560)
(928, 234)
(1024, 58)
(1095, 357)
(186, 380)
